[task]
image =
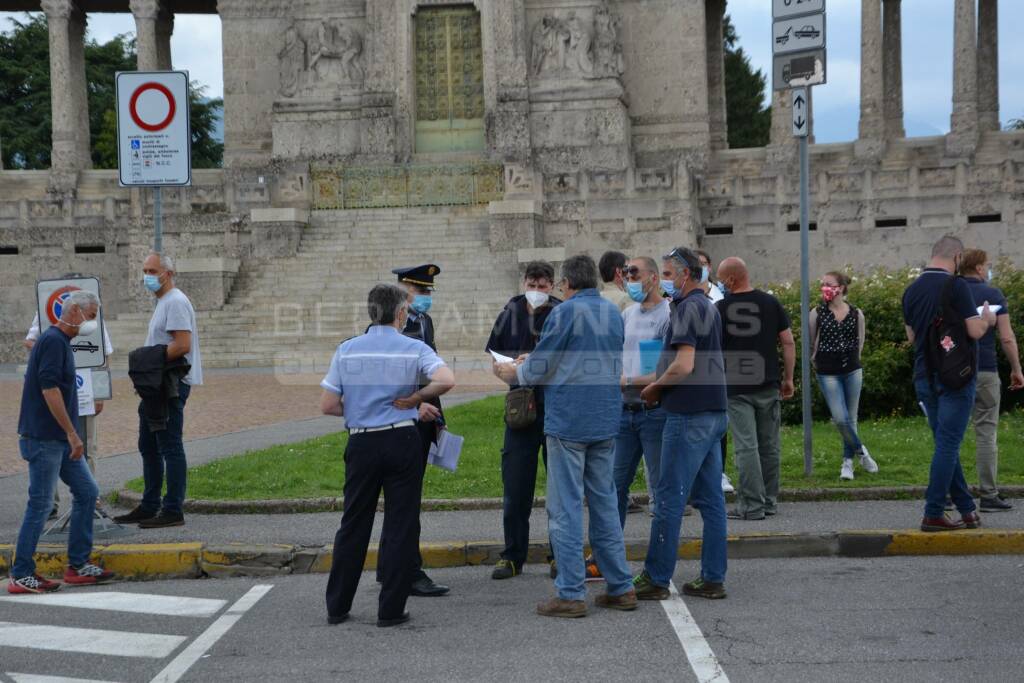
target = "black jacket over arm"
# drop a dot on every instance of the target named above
(156, 381)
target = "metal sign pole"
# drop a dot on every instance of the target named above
(805, 296)
(158, 237)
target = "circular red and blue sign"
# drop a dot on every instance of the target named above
(55, 304)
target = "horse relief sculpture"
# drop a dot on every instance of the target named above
(331, 57)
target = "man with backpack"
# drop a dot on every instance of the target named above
(943, 323)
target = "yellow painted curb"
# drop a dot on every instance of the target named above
(152, 559)
(965, 542)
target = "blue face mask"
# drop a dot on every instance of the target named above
(704, 274)
(152, 282)
(421, 303)
(990, 276)
(669, 286)
(635, 291)
(723, 289)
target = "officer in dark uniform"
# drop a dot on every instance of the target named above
(419, 282)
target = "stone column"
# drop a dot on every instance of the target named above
(164, 30)
(963, 133)
(65, 22)
(79, 94)
(782, 148)
(150, 31)
(892, 57)
(988, 65)
(378, 108)
(872, 87)
(716, 75)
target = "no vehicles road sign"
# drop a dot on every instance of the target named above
(89, 350)
(154, 140)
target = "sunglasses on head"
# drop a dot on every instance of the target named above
(632, 271)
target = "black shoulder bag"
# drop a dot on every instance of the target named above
(950, 353)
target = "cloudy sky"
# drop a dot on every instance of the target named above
(927, 63)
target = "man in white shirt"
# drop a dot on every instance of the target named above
(86, 423)
(174, 325)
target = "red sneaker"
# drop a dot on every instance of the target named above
(87, 574)
(31, 584)
(971, 520)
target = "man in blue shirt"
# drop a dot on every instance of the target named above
(977, 271)
(578, 361)
(947, 409)
(372, 382)
(692, 390)
(52, 448)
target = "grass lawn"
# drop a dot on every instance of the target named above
(314, 468)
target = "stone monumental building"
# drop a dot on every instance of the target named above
(361, 135)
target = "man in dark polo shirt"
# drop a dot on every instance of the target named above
(690, 385)
(948, 410)
(53, 449)
(754, 326)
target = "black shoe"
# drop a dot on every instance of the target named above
(506, 569)
(748, 516)
(424, 587)
(54, 513)
(135, 516)
(333, 621)
(704, 589)
(162, 520)
(995, 504)
(385, 623)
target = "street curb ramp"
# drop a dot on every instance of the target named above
(152, 561)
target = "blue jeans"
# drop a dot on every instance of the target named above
(691, 468)
(842, 394)
(164, 449)
(575, 469)
(48, 461)
(948, 413)
(639, 435)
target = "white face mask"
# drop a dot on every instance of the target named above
(87, 328)
(537, 299)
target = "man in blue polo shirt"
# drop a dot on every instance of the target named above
(53, 449)
(692, 390)
(948, 410)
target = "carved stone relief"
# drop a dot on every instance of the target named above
(315, 61)
(576, 45)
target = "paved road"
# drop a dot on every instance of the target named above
(905, 619)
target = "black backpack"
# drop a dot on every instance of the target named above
(950, 352)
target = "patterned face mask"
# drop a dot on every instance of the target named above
(830, 293)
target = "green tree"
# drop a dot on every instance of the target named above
(25, 117)
(1015, 124)
(749, 120)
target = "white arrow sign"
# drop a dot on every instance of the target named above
(801, 113)
(784, 9)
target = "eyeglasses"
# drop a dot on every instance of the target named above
(632, 271)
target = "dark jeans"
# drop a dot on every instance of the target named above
(519, 481)
(388, 460)
(948, 413)
(164, 450)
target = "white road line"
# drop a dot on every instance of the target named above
(198, 647)
(115, 601)
(33, 678)
(88, 640)
(703, 661)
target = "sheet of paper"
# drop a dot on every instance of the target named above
(995, 308)
(86, 404)
(445, 453)
(498, 358)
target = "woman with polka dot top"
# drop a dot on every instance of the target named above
(837, 331)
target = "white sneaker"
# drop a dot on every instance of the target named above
(867, 462)
(847, 471)
(727, 486)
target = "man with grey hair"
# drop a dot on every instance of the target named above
(173, 325)
(373, 382)
(53, 449)
(938, 295)
(578, 361)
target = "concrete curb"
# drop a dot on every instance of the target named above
(301, 505)
(194, 560)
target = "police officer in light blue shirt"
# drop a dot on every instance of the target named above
(373, 383)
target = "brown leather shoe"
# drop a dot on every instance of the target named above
(943, 523)
(566, 609)
(625, 602)
(972, 520)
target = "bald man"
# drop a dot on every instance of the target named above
(754, 326)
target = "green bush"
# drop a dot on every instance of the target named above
(888, 358)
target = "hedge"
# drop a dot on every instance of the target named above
(888, 356)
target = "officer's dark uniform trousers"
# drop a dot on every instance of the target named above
(390, 460)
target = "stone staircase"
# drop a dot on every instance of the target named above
(290, 313)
